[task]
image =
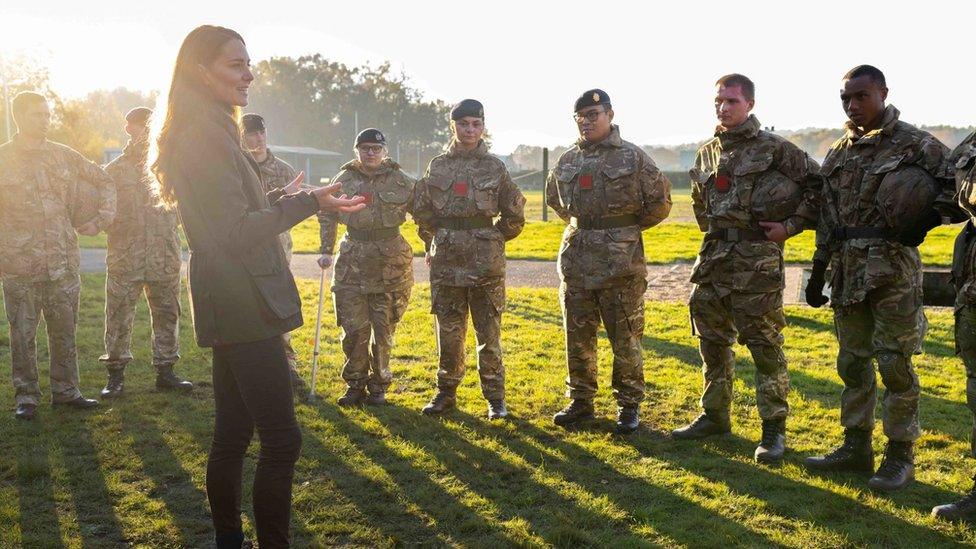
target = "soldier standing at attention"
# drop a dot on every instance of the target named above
(39, 249)
(373, 272)
(608, 190)
(751, 190)
(455, 206)
(143, 257)
(885, 187)
(275, 174)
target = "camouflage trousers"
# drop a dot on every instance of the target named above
(368, 322)
(57, 301)
(966, 348)
(884, 327)
(451, 305)
(759, 321)
(121, 296)
(621, 308)
(290, 354)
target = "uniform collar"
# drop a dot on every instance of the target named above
(746, 130)
(888, 121)
(388, 165)
(20, 144)
(478, 152)
(137, 149)
(612, 140)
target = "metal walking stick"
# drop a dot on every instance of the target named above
(318, 331)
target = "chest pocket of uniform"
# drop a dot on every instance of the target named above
(440, 190)
(486, 194)
(394, 196)
(873, 176)
(565, 175)
(620, 187)
(746, 173)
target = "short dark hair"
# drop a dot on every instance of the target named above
(741, 80)
(22, 101)
(874, 73)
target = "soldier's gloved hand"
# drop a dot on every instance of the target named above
(914, 235)
(325, 261)
(815, 285)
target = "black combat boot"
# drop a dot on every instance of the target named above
(353, 397)
(443, 401)
(166, 380)
(496, 409)
(773, 443)
(113, 388)
(708, 423)
(963, 510)
(26, 411)
(375, 398)
(578, 410)
(897, 468)
(856, 454)
(628, 419)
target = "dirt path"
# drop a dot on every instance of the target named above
(664, 282)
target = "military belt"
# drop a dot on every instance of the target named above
(735, 235)
(849, 233)
(372, 235)
(463, 223)
(596, 222)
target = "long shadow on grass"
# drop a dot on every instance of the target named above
(97, 523)
(800, 501)
(173, 483)
(555, 517)
(38, 511)
(378, 503)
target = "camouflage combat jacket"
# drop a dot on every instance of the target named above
(853, 170)
(962, 162)
(143, 242)
(37, 192)
(382, 264)
(741, 155)
(612, 178)
(461, 185)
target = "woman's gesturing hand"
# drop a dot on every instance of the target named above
(330, 203)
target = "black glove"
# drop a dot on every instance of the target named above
(815, 285)
(914, 235)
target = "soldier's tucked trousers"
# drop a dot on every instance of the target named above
(758, 318)
(621, 308)
(966, 347)
(368, 322)
(121, 297)
(885, 327)
(57, 301)
(286, 337)
(451, 305)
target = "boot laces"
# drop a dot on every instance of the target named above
(890, 466)
(769, 434)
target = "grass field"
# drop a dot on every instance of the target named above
(677, 239)
(132, 472)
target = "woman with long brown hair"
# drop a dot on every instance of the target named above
(242, 292)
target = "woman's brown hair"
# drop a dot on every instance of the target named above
(187, 102)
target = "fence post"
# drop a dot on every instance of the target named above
(545, 175)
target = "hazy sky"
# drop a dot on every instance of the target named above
(528, 61)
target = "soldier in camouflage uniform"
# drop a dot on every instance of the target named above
(373, 272)
(751, 190)
(608, 190)
(876, 273)
(143, 257)
(275, 174)
(41, 185)
(962, 162)
(455, 205)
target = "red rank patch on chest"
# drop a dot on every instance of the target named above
(460, 188)
(368, 196)
(722, 183)
(586, 181)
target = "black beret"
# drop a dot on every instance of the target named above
(468, 107)
(592, 98)
(139, 115)
(371, 135)
(252, 122)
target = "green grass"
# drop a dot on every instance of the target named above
(132, 472)
(677, 239)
